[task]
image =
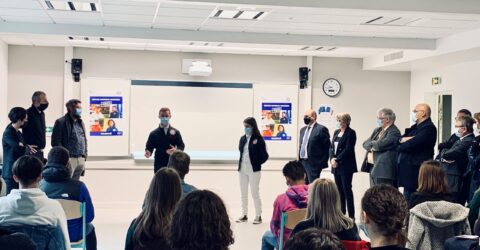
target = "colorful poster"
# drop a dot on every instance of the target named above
(106, 115)
(276, 121)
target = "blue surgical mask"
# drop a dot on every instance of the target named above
(164, 120)
(362, 227)
(338, 125)
(379, 122)
(248, 131)
(413, 117)
(78, 112)
(458, 134)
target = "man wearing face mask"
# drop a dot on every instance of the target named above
(34, 131)
(416, 146)
(455, 159)
(69, 132)
(314, 146)
(164, 140)
(453, 138)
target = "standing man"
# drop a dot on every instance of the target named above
(164, 140)
(314, 146)
(34, 131)
(416, 146)
(453, 138)
(69, 132)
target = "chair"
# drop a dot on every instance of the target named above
(355, 245)
(76, 210)
(289, 220)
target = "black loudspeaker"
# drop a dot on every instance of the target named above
(303, 76)
(76, 69)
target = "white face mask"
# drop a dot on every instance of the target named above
(413, 117)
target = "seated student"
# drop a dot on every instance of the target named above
(432, 185)
(201, 223)
(29, 205)
(294, 198)
(323, 211)
(13, 241)
(314, 239)
(58, 184)
(180, 161)
(474, 206)
(384, 210)
(150, 229)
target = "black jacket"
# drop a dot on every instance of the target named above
(413, 153)
(420, 197)
(34, 132)
(345, 155)
(62, 130)
(160, 142)
(455, 162)
(318, 145)
(11, 150)
(257, 151)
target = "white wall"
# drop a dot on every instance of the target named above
(363, 93)
(3, 87)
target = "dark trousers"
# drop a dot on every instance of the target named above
(10, 184)
(92, 240)
(407, 193)
(313, 172)
(344, 185)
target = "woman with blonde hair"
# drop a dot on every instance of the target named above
(323, 211)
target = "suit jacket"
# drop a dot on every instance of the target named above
(455, 170)
(11, 150)
(62, 131)
(257, 151)
(318, 145)
(161, 142)
(384, 152)
(413, 153)
(345, 154)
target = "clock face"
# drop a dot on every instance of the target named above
(332, 87)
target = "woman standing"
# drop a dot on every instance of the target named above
(253, 153)
(343, 162)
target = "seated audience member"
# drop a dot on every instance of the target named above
(314, 239)
(57, 183)
(294, 198)
(474, 206)
(201, 223)
(432, 185)
(384, 210)
(15, 241)
(149, 230)
(180, 161)
(29, 205)
(323, 211)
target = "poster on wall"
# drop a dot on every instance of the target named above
(326, 117)
(276, 123)
(106, 115)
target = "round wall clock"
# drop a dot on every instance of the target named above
(332, 87)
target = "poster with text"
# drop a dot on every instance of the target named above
(276, 122)
(106, 115)
(326, 117)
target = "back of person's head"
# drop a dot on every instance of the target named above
(17, 114)
(27, 170)
(294, 171)
(384, 211)
(201, 223)
(58, 155)
(314, 239)
(431, 178)
(324, 206)
(13, 241)
(160, 202)
(465, 112)
(180, 161)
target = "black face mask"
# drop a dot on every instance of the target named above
(307, 120)
(43, 106)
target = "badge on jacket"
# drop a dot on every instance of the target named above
(255, 141)
(172, 131)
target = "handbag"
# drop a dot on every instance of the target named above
(366, 167)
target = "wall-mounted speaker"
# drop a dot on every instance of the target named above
(76, 69)
(303, 76)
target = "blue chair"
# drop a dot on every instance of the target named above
(289, 220)
(76, 210)
(46, 237)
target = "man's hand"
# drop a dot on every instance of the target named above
(405, 139)
(333, 161)
(148, 154)
(32, 149)
(171, 149)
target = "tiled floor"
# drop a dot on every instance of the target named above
(118, 194)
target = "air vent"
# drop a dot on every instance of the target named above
(318, 48)
(391, 21)
(86, 38)
(71, 6)
(393, 56)
(238, 14)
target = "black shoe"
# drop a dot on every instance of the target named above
(242, 219)
(258, 220)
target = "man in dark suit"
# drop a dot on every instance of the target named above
(453, 138)
(164, 140)
(416, 146)
(314, 146)
(34, 132)
(455, 159)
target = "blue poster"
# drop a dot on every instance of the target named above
(276, 120)
(106, 115)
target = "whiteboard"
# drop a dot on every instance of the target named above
(209, 118)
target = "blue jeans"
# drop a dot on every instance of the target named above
(269, 241)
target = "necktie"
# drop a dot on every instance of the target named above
(303, 148)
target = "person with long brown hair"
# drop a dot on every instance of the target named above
(323, 211)
(150, 229)
(432, 185)
(384, 210)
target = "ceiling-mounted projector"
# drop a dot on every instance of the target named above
(200, 68)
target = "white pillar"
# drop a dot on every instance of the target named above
(3, 87)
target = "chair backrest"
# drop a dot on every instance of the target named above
(355, 245)
(72, 208)
(294, 217)
(46, 237)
